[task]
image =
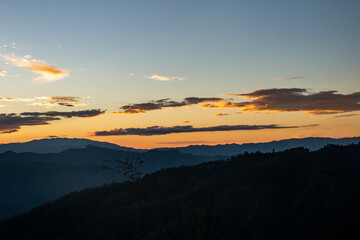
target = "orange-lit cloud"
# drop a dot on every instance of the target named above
(67, 101)
(48, 73)
(61, 101)
(298, 100)
(2, 73)
(263, 101)
(163, 78)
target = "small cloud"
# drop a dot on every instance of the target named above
(288, 78)
(58, 46)
(186, 142)
(65, 101)
(2, 73)
(131, 74)
(185, 121)
(220, 114)
(47, 72)
(345, 115)
(163, 78)
(52, 136)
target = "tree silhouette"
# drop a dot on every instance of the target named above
(130, 171)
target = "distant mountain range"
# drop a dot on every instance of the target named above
(39, 171)
(312, 143)
(29, 179)
(56, 145)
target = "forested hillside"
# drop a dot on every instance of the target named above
(294, 194)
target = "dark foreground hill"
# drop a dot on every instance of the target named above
(29, 179)
(295, 194)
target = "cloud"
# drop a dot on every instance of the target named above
(164, 103)
(12, 122)
(263, 101)
(84, 113)
(47, 72)
(220, 114)
(345, 115)
(186, 142)
(66, 101)
(5, 99)
(160, 130)
(163, 78)
(297, 100)
(288, 78)
(2, 73)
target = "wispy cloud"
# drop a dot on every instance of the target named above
(2, 73)
(67, 101)
(220, 114)
(345, 115)
(12, 122)
(161, 130)
(5, 99)
(48, 73)
(288, 78)
(164, 78)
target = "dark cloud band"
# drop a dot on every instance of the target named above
(164, 103)
(264, 101)
(85, 113)
(298, 100)
(160, 130)
(12, 122)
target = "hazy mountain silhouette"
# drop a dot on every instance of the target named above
(55, 145)
(294, 194)
(30, 179)
(311, 143)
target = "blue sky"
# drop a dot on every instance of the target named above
(219, 47)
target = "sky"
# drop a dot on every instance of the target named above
(168, 73)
